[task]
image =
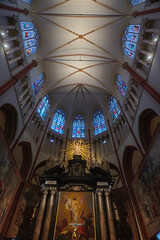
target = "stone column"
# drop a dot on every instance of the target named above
(48, 215)
(103, 227)
(112, 231)
(39, 220)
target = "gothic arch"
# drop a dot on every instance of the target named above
(148, 121)
(9, 120)
(131, 161)
(23, 157)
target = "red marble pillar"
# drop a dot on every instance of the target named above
(14, 9)
(14, 79)
(22, 131)
(38, 151)
(145, 85)
(117, 156)
(130, 128)
(145, 12)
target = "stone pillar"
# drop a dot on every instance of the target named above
(48, 215)
(14, 79)
(145, 85)
(14, 9)
(39, 220)
(145, 12)
(103, 227)
(112, 231)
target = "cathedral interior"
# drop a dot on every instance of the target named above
(79, 119)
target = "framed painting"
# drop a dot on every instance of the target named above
(75, 218)
(146, 186)
(9, 179)
(26, 213)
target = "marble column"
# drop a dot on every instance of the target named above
(39, 219)
(112, 231)
(48, 215)
(103, 227)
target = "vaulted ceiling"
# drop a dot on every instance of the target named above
(80, 47)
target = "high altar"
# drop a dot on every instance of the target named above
(75, 204)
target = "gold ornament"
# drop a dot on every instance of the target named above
(77, 147)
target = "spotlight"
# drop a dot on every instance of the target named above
(149, 57)
(155, 40)
(5, 45)
(2, 33)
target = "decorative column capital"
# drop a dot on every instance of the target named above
(45, 191)
(53, 191)
(99, 192)
(106, 192)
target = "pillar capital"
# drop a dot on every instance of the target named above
(53, 191)
(106, 192)
(45, 190)
(99, 192)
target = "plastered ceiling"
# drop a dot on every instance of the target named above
(80, 47)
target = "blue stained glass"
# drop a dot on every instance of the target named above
(130, 45)
(121, 85)
(27, 1)
(133, 37)
(133, 28)
(131, 34)
(44, 107)
(31, 50)
(38, 84)
(129, 53)
(99, 124)
(31, 42)
(158, 236)
(28, 34)
(78, 130)
(58, 121)
(27, 26)
(113, 108)
(134, 2)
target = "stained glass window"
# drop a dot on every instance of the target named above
(130, 39)
(27, 1)
(44, 107)
(121, 85)
(99, 124)
(78, 127)
(31, 37)
(113, 108)
(134, 2)
(58, 121)
(38, 84)
(158, 236)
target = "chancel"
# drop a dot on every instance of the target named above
(79, 120)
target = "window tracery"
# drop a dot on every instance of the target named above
(78, 130)
(44, 107)
(30, 36)
(58, 121)
(99, 124)
(113, 108)
(36, 86)
(129, 40)
(135, 2)
(121, 85)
